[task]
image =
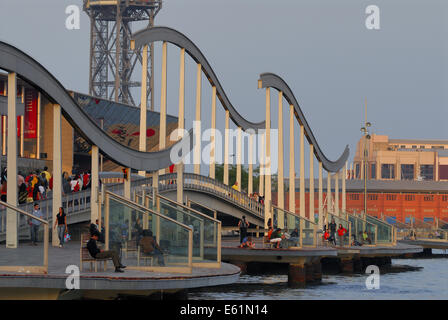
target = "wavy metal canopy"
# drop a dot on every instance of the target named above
(271, 80)
(28, 69)
(166, 34)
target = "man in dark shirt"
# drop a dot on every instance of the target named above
(96, 253)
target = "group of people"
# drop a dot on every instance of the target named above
(31, 187)
(330, 233)
(77, 182)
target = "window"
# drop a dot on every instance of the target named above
(403, 147)
(353, 196)
(373, 171)
(445, 198)
(414, 147)
(373, 197)
(427, 172)
(409, 197)
(443, 172)
(391, 197)
(357, 171)
(407, 172)
(428, 219)
(428, 197)
(387, 171)
(422, 147)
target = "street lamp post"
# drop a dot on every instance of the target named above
(366, 133)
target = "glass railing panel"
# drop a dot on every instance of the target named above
(384, 230)
(29, 254)
(206, 230)
(130, 229)
(427, 231)
(301, 230)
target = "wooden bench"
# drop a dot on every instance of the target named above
(85, 256)
(150, 257)
(129, 246)
(267, 242)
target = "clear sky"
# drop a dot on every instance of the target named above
(322, 49)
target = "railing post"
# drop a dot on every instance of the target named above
(106, 219)
(46, 243)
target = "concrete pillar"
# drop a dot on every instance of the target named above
(281, 186)
(143, 104)
(292, 175)
(309, 272)
(317, 270)
(4, 121)
(163, 97)
(268, 198)
(226, 150)
(250, 184)
(347, 265)
(311, 185)
(94, 184)
(302, 171)
(197, 143)
(336, 193)
(212, 138)
(262, 160)
(329, 205)
(11, 164)
(296, 274)
(181, 125)
(57, 168)
(321, 205)
(22, 126)
(127, 184)
(38, 125)
(344, 194)
(238, 159)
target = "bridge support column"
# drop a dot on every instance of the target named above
(57, 168)
(311, 185)
(281, 186)
(197, 143)
(268, 197)
(317, 270)
(226, 150)
(242, 265)
(329, 204)
(344, 195)
(181, 125)
(302, 171)
(250, 183)
(22, 125)
(336, 193)
(94, 178)
(143, 104)
(11, 192)
(213, 136)
(347, 265)
(238, 159)
(262, 166)
(297, 273)
(163, 94)
(38, 125)
(292, 174)
(321, 208)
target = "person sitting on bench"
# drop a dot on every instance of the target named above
(101, 254)
(151, 247)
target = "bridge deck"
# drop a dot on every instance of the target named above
(230, 251)
(60, 258)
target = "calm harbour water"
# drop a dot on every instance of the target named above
(430, 282)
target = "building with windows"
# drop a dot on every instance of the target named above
(400, 159)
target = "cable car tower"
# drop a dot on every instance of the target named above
(112, 62)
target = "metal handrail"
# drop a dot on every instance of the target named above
(234, 196)
(190, 202)
(46, 239)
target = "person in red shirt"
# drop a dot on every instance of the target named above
(341, 232)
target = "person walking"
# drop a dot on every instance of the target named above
(61, 223)
(35, 224)
(243, 225)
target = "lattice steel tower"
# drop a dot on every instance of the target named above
(112, 62)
